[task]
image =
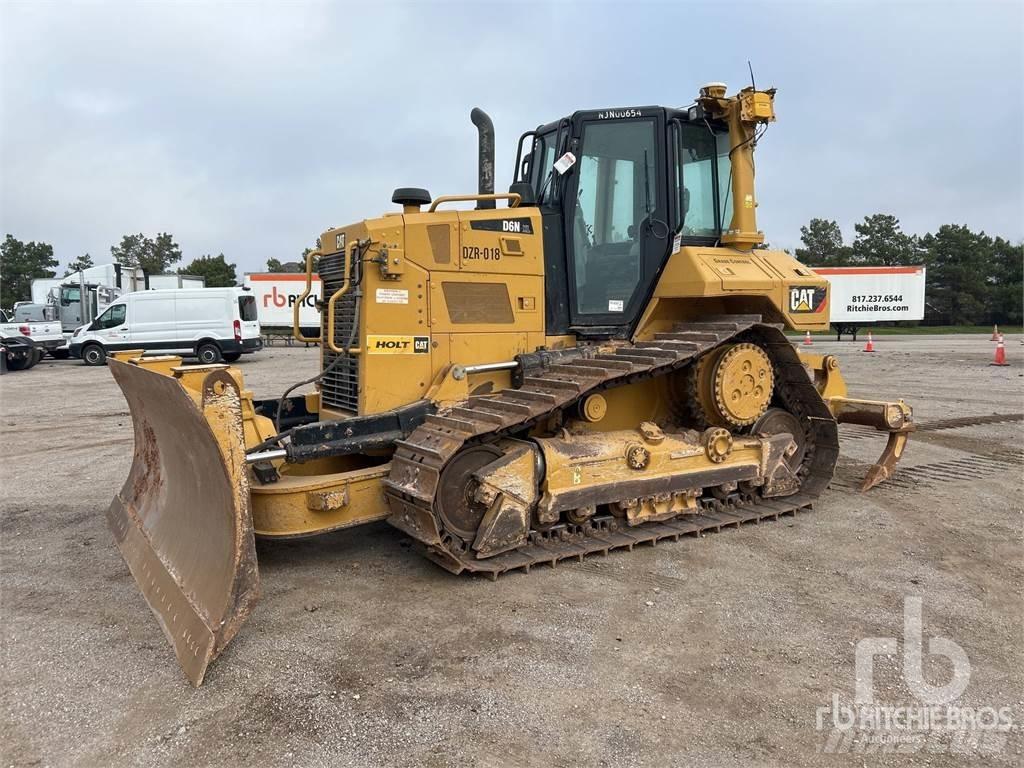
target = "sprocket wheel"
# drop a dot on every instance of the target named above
(731, 386)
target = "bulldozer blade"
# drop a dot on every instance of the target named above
(885, 467)
(182, 521)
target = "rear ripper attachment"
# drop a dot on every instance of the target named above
(894, 418)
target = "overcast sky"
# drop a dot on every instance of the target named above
(248, 128)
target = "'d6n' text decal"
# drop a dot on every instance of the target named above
(517, 226)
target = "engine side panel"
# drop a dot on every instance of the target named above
(439, 289)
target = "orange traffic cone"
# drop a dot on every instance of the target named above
(807, 340)
(870, 346)
(995, 333)
(1000, 358)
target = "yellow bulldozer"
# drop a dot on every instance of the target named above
(596, 363)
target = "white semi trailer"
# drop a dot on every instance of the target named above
(276, 295)
(860, 296)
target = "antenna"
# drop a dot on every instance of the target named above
(751, 75)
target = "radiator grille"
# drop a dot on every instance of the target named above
(340, 385)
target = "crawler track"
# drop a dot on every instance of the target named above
(417, 463)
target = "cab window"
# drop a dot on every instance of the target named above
(695, 176)
(615, 197)
(542, 175)
(724, 181)
(112, 318)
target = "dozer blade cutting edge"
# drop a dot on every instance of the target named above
(182, 520)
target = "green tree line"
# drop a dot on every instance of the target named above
(972, 278)
(276, 265)
(21, 263)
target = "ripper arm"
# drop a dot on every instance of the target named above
(895, 418)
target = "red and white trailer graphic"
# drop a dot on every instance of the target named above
(276, 295)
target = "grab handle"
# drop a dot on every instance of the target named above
(296, 330)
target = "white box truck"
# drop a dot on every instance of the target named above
(859, 296)
(212, 324)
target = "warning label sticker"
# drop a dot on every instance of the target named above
(392, 296)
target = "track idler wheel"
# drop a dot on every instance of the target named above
(459, 511)
(775, 421)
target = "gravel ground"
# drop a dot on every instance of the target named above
(716, 652)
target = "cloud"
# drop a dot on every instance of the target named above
(92, 103)
(250, 128)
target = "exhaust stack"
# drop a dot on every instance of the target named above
(485, 161)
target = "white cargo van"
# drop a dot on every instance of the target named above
(213, 324)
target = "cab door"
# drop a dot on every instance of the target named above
(616, 222)
(112, 326)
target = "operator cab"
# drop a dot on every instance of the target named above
(642, 178)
